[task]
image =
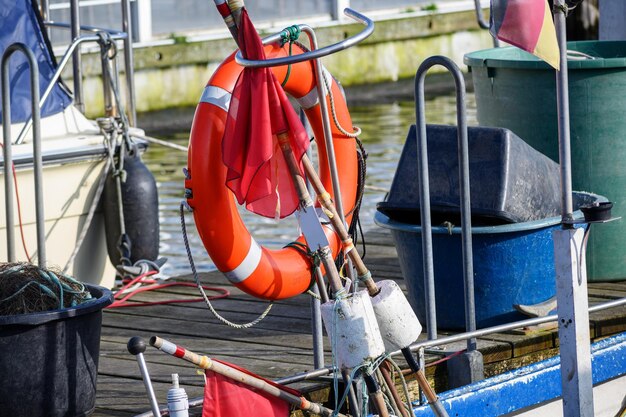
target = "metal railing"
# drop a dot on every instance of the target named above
(8, 157)
(62, 64)
(319, 373)
(73, 51)
(154, 19)
(423, 180)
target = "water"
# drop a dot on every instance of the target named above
(384, 127)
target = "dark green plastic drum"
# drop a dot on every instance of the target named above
(517, 91)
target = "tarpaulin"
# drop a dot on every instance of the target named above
(19, 22)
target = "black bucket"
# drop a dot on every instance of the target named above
(49, 360)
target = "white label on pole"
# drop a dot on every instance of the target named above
(311, 228)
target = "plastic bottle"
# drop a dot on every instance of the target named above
(177, 402)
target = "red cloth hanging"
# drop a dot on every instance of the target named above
(224, 397)
(260, 110)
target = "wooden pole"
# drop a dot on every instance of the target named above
(205, 362)
(324, 198)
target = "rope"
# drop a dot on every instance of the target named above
(405, 387)
(289, 34)
(445, 358)
(390, 402)
(133, 287)
(19, 210)
(356, 219)
(46, 290)
(316, 261)
(120, 126)
(357, 130)
(65, 291)
(160, 142)
(199, 285)
(312, 294)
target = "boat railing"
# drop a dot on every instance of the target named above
(99, 35)
(103, 37)
(124, 35)
(424, 190)
(37, 155)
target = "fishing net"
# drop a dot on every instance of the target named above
(26, 288)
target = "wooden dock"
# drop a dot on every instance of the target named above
(281, 344)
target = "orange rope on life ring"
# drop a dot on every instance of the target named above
(261, 272)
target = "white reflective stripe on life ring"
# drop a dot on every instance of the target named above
(310, 99)
(216, 96)
(248, 265)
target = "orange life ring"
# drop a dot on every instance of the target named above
(261, 272)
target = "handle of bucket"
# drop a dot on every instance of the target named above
(318, 53)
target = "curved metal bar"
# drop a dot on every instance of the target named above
(317, 53)
(62, 63)
(482, 23)
(423, 178)
(116, 34)
(479, 15)
(8, 157)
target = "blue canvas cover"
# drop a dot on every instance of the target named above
(20, 22)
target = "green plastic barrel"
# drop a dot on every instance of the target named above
(517, 91)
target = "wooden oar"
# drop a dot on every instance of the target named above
(205, 362)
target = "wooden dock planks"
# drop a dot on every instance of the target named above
(280, 345)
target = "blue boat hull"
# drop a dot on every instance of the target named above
(535, 390)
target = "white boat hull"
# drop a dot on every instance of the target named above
(73, 164)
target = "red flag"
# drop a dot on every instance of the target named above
(224, 397)
(528, 25)
(259, 111)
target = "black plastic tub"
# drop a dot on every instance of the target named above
(510, 182)
(49, 360)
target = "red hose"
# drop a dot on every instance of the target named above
(19, 210)
(122, 300)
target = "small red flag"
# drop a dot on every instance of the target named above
(224, 397)
(259, 111)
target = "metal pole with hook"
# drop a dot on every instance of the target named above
(37, 157)
(314, 56)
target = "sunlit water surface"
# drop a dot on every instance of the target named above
(384, 128)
